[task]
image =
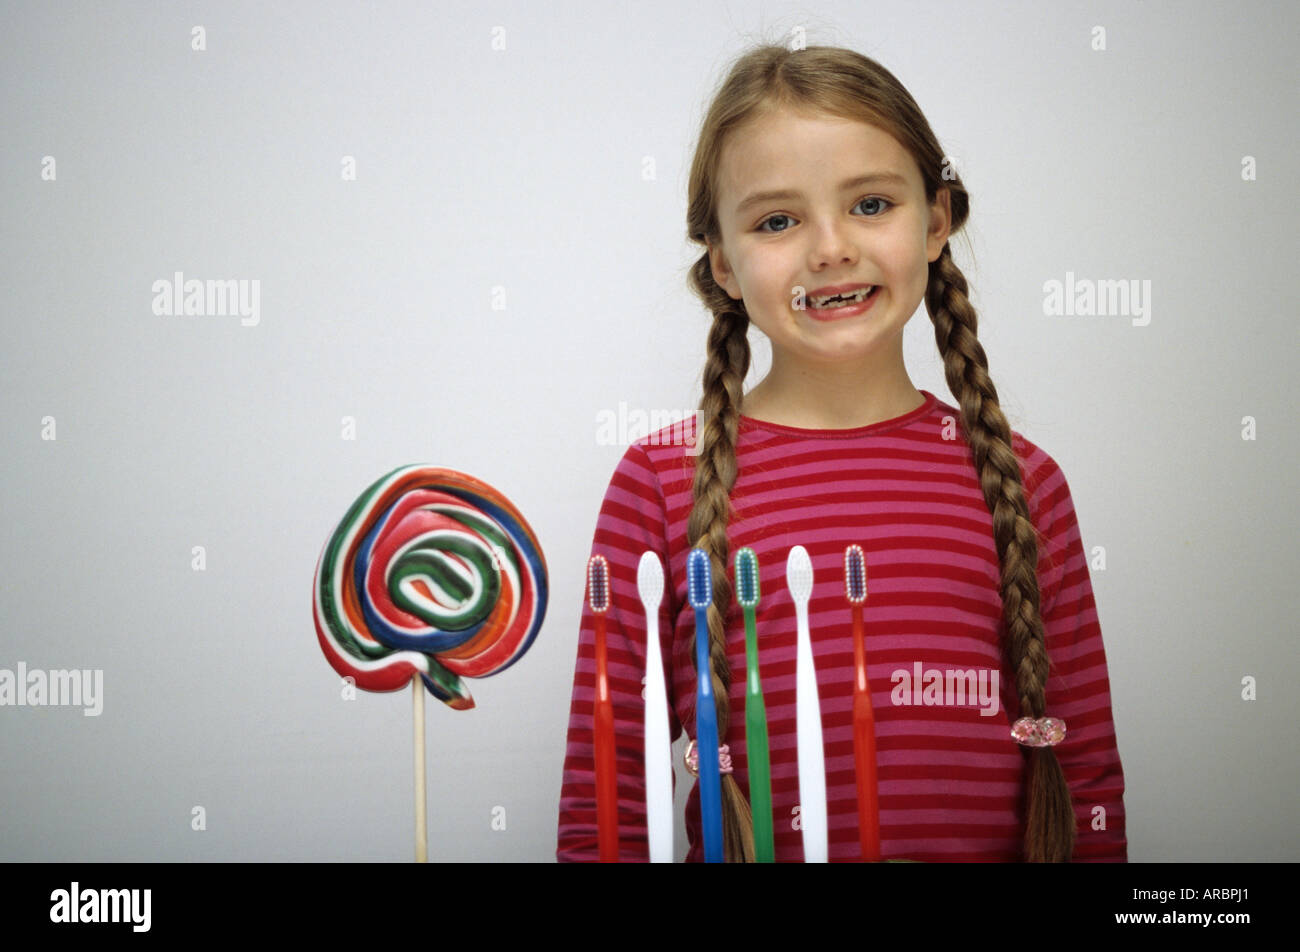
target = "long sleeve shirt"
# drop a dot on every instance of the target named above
(950, 776)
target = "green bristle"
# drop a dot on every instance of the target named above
(747, 578)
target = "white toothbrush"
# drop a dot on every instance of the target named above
(658, 749)
(808, 715)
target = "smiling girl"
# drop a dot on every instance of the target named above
(824, 206)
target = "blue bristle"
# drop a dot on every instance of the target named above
(747, 578)
(699, 579)
(855, 574)
(598, 583)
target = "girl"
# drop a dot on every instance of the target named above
(823, 206)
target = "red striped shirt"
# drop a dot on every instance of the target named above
(951, 779)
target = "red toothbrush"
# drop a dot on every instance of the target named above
(606, 775)
(864, 725)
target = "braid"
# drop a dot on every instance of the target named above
(847, 85)
(715, 474)
(1050, 820)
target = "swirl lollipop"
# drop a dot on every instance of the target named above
(431, 573)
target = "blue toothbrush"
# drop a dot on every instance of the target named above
(699, 580)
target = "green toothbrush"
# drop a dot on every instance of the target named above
(760, 768)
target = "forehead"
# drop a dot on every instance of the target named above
(805, 152)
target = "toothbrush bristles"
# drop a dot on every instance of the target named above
(855, 575)
(598, 583)
(650, 579)
(747, 578)
(799, 574)
(699, 578)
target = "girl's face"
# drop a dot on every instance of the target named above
(829, 229)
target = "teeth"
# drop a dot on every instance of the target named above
(852, 297)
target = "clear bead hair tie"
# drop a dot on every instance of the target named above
(1044, 732)
(693, 759)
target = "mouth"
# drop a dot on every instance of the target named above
(830, 307)
(840, 298)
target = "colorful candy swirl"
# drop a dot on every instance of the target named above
(430, 572)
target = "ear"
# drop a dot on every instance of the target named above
(722, 272)
(940, 224)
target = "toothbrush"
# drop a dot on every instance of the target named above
(700, 589)
(606, 776)
(864, 727)
(658, 748)
(760, 770)
(808, 715)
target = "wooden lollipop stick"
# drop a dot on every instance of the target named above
(421, 814)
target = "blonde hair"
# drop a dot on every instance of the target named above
(846, 84)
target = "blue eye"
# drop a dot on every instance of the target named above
(770, 219)
(761, 225)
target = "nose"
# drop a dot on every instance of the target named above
(832, 245)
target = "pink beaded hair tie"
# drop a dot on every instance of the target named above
(1044, 732)
(693, 759)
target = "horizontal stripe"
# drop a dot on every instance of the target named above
(951, 779)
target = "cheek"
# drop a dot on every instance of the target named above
(765, 276)
(899, 256)
(907, 267)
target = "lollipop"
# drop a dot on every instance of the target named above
(431, 572)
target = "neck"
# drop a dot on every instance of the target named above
(831, 396)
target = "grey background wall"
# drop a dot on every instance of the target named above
(509, 264)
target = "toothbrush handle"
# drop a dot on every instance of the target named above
(760, 778)
(812, 753)
(864, 749)
(706, 729)
(658, 751)
(606, 775)
(756, 746)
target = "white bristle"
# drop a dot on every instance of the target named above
(650, 579)
(799, 574)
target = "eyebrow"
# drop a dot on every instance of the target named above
(757, 198)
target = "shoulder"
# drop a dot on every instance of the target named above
(1039, 469)
(1040, 475)
(668, 451)
(1047, 491)
(636, 472)
(650, 466)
